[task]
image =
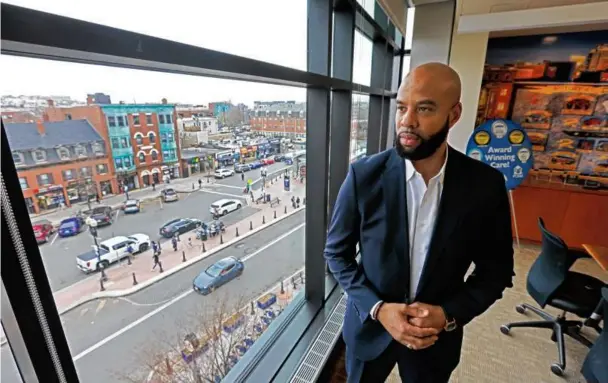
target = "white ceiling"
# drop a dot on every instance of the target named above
(479, 7)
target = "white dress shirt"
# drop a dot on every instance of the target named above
(422, 207)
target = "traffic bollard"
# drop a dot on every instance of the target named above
(221, 239)
(302, 277)
(285, 209)
(129, 260)
(293, 282)
(275, 214)
(160, 264)
(263, 220)
(304, 201)
(101, 286)
(204, 250)
(134, 280)
(183, 256)
(250, 225)
(282, 288)
(237, 231)
(192, 185)
(252, 308)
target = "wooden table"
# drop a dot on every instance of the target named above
(599, 253)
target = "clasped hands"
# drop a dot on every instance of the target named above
(416, 326)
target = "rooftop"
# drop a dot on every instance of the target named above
(26, 136)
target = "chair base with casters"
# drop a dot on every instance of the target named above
(579, 294)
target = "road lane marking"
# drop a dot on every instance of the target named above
(100, 306)
(117, 211)
(54, 238)
(242, 196)
(290, 232)
(169, 303)
(229, 186)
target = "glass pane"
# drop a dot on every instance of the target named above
(358, 130)
(225, 140)
(217, 25)
(368, 5)
(406, 64)
(9, 372)
(362, 59)
(409, 27)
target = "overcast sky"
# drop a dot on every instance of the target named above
(268, 30)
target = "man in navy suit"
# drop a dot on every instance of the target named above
(421, 214)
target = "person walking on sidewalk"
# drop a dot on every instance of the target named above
(155, 259)
(130, 251)
(154, 247)
(200, 183)
(174, 242)
(243, 176)
(298, 202)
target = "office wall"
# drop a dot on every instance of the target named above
(432, 37)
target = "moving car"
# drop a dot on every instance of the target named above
(102, 215)
(225, 206)
(70, 226)
(217, 274)
(111, 251)
(256, 164)
(223, 173)
(179, 225)
(268, 161)
(242, 168)
(42, 230)
(169, 195)
(132, 206)
(279, 158)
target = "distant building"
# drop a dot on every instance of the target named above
(18, 116)
(195, 131)
(279, 119)
(142, 139)
(98, 98)
(59, 163)
(220, 110)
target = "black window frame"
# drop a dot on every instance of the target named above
(329, 87)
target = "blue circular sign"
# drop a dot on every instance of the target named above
(505, 146)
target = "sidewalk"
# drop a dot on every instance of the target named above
(120, 276)
(183, 185)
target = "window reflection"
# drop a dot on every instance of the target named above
(358, 130)
(362, 59)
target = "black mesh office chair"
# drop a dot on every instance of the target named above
(551, 283)
(595, 367)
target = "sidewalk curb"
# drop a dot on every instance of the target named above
(143, 285)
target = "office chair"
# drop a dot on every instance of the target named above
(551, 283)
(595, 367)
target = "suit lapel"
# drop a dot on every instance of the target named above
(395, 199)
(448, 216)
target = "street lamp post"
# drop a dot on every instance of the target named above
(93, 229)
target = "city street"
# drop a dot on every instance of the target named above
(59, 253)
(106, 336)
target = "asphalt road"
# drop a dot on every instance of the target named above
(59, 253)
(109, 338)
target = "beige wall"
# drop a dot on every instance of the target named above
(467, 57)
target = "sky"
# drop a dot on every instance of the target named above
(269, 30)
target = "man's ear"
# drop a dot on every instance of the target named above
(455, 114)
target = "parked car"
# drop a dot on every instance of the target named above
(223, 173)
(112, 250)
(169, 195)
(217, 274)
(102, 215)
(256, 164)
(132, 206)
(179, 225)
(241, 168)
(279, 158)
(70, 226)
(42, 230)
(225, 206)
(268, 161)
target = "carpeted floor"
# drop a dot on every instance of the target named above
(524, 356)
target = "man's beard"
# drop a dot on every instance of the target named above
(427, 146)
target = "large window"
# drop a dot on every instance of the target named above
(207, 308)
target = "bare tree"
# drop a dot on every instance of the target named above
(86, 189)
(235, 117)
(201, 348)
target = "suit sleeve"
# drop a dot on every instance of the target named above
(340, 249)
(493, 260)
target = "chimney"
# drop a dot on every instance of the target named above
(163, 101)
(50, 103)
(40, 127)
(90, 100)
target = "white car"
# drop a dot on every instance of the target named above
(225, 206)
(223, 173)
(112, 250)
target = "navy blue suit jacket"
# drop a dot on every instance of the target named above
(473, 226)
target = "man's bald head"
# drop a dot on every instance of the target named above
(437, 76)
(428, 105)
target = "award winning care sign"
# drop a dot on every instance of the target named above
(505, 146)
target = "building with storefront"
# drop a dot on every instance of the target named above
(142, 139)
(60, 163)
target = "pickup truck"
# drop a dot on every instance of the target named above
(111, 251)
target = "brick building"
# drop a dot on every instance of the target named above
(142, 139)
(279, 119)
(18, 116)
(59, 162)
